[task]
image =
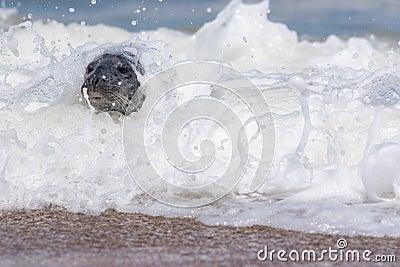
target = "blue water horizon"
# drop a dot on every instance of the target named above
(318, 18)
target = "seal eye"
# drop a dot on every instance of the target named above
(123, 69)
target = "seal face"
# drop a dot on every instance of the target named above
(111, 84)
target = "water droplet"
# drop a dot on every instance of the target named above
(268, 11)
(245, 39)
(119, 83)
(104, 77)
(371, 64)
(209, 9)
(134, 22)
(93, 2)
(71, 9)
(30, 15)
(83, 23)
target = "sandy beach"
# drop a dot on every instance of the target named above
(55, 237)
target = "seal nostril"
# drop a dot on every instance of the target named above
(96, 81)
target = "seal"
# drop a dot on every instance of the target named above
(111, 84)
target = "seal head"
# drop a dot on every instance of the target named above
(112, 85)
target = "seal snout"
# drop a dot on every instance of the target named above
(93, 81)
(94, 84)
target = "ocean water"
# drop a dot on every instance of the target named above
(316, 18)
(333, 106)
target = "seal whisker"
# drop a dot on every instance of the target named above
(122, 97)
(118, 100)
(122, 100)
(129, 103)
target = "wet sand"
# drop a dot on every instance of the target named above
(54, 237)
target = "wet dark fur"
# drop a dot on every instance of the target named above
(112, 84)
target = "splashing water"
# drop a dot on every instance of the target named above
(335, 114)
